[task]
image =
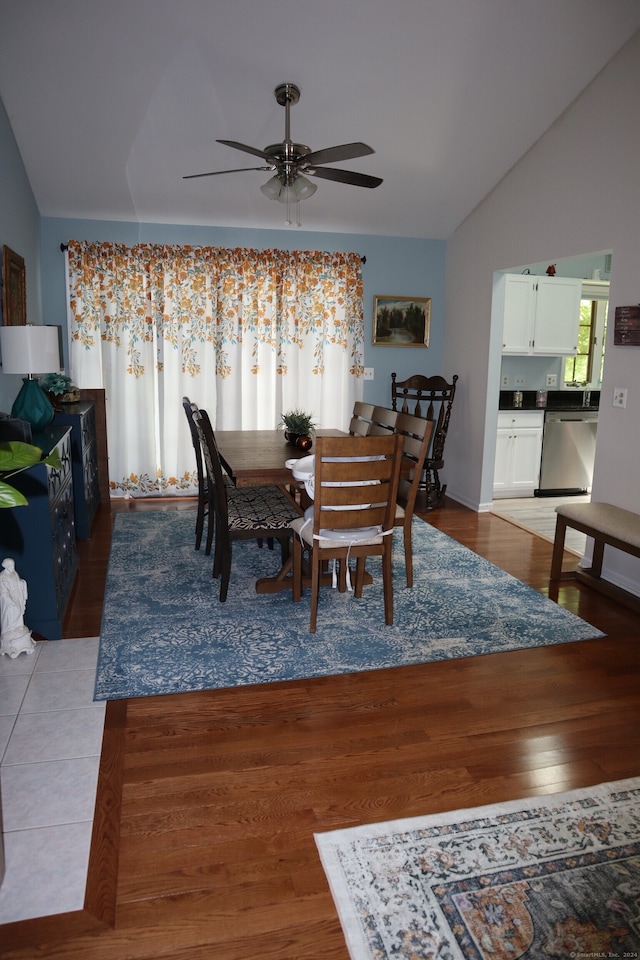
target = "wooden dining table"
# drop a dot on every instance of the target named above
(255, 458)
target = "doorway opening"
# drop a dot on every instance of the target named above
(580, 374)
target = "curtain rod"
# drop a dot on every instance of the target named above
(64, 246)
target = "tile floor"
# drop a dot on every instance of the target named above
(539, 514)
(50, 743)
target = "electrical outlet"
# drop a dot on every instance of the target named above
(552, 380)
(518, 382)
(505, 381)
(619, 396)
(368, 373)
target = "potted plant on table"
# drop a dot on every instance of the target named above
(298, 428)
(60, 389)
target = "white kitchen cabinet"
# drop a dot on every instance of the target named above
(541, 315)
(518, 454)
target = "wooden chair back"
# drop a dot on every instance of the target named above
(203, 497)
(215, 475)
(355, 490)
(361, 418)
(254, 513)
(430, 398)
(416, 437)
(383, 420)
(349, 471)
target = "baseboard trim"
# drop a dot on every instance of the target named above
(630, 600)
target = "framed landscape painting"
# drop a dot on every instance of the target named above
(401, 321)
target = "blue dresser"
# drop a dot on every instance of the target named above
(81, 417)
(41, 537)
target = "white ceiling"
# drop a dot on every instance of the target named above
(113, 101)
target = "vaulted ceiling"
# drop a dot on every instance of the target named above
(113, 102)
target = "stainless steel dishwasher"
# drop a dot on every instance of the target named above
(568, 452)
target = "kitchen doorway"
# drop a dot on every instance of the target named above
(582, 373)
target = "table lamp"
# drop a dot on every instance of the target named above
(31, 350)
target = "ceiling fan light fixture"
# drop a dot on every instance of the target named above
(287, 194)
(272, 188)
(300, 189)
(303, 188)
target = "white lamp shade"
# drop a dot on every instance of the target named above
(29, 349)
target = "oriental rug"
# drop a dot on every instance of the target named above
(165, 631)
(555, 876)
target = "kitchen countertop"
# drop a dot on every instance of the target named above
(557, 400)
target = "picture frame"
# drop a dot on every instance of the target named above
(14, 297)
(401, 321)
(626, 331)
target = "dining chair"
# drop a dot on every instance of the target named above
(361, 418)
(248, 513)
(416, 437)
(203, 511)
(383, 420)
(203, 493)
(431, 398)
(355, 489)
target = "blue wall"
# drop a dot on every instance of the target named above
(394, 267)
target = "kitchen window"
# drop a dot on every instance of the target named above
(585, 368)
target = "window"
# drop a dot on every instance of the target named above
(585, 368)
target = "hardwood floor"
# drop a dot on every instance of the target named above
(208, 802)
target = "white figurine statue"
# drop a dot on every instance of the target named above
(15, 638)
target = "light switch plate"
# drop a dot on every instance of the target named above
(368, 373)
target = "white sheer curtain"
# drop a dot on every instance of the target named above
(247, 334)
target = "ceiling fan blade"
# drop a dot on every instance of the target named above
(344, 151)
(216, 173)
(344, 176)
(246, 149)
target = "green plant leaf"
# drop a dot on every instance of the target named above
(297, 421)
(10, 497)
(16, 456)
(53, 460)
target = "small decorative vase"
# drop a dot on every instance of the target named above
(291, 438)
(54, 400)
(304, 443)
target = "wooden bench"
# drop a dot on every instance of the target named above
(607, 525)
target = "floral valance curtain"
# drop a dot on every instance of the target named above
(247, 334)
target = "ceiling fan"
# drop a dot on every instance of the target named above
(294, 162)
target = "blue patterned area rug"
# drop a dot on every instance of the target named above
(555, 876)
(165, 631)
